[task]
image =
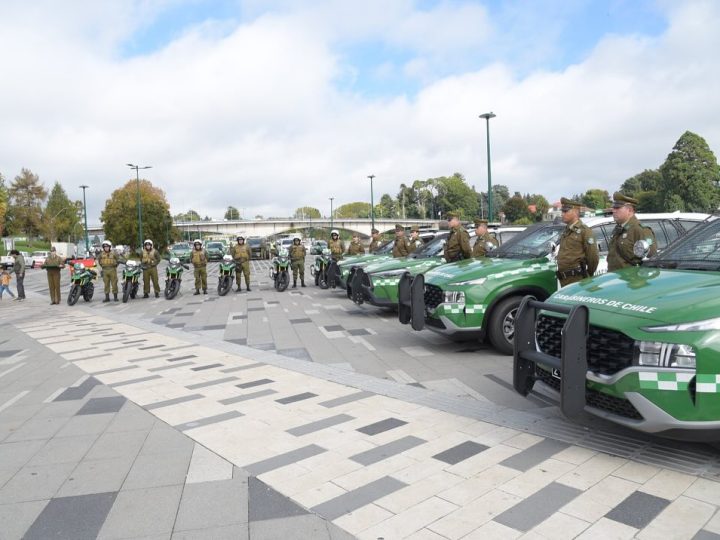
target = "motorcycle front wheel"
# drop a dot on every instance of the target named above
(283, 280)
(134, 290)
(224, 285)
(74, 294)
(87, 292)
(323, 279)
(172, 289)
(127, 287)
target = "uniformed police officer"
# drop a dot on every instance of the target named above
(401, 248)
(108, 261)
(627, 231)
(376, 241)
(53, 264)
(241, 254)
(457, 246)
(577, 256)
(355, 247)
(415, 242)
(336, 246)
(482, 238)
(297, 260)
(199, 259)
(150, 260)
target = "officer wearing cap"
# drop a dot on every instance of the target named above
(627, 231)
(355, 247)
(376, 241)
(578, 252)
(482, 238)
(401, 248)
(415, 242)
(457, 246)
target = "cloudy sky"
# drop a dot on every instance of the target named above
(273, 104)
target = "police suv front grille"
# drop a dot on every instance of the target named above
(593, 398)
(433, 296)
(608, 351)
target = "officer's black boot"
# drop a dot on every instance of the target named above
(294, 283)
(146, 295)
(115, 296)
(157, 294)
(197, 291)
(302, 281)
(204, 291)
(247, 286)
(107, 298)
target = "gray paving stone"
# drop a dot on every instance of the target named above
(17, 518)
(208, 420)
(318, 425)
(208, 366)
(334, 328)
(706, 535)
(174, 401)
(357, 498)
(243, 368)
(162, 437)
(300, 321)
(282, 460)
(300, 353)
(343, 400)
(381, 426)
(35, 483)
(154, 470)
(534, 455)
(237, 341)
(134, 381)
(79, 518)
(37, 428)
(150, 357)
(266, 503)
(296, 397)
(59, 409)
(251, 384)
(210, 383)
(96, 476)
(199, 506)
(171, 366)
(387, 450)
(102, 405)
(117, 445)
(249, 395)
(358, 332)
(638, 509)
(461, 452)
(537, 507)
(78, 392)
(63, 450)
(131, 418)
(237, 531)
(114, 370)
(142, 512)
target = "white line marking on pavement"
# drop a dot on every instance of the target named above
(9, 402)
(55, 394)
(361, 341)
(66, 364)
(16, 366)
(400, 376)
(80, 381)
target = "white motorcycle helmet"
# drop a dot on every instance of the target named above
(148, 241)
(106, 243)
(297, 237)
(334, 231)
(197, 241)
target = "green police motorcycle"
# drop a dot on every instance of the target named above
(131, 279)
(279, 270)
(319, 270)
(226, 275)
(173, 277)
(81, 282)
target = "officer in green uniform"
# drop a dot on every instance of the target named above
(376, 241)
(355, 247)
(415, 242)
(241, 254)
(199, 259)
(457, 246)
(108, 261)
(577, 256)
(627, 231)
(53, 264)
(336, 246)
(150, 260)
(297, 260)
(482, 238)
(401, 247)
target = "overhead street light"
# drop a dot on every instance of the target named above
(487, 117)
(139, 204)
(87, 242)
(372, 203)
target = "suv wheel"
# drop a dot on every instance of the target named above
(501, 327)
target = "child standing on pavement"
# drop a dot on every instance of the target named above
(5, 283)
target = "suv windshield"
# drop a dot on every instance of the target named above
(215, 245)
(179, 246)
(385, 248)
(532, 243)
(253, 242)
(434, 248)
(698, 250)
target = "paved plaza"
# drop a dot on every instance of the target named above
(269, 415)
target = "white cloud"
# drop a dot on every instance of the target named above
(253, 118)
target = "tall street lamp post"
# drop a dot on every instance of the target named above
(372, 202)
(139, 204)
(331, 211)
(487, 117)
(87, 243)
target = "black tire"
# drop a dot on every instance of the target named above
(73, 295)
(127, 287)
(501, 327)
(87, 292)
(172, 289)
(224, 285)
(324, 279)
(317, 279)
(283, 280)
(134, 290)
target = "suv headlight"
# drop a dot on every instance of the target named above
(454, 297)
(656, 354)
(697, 326)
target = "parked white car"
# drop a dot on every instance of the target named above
(27, 257)
(38, 258)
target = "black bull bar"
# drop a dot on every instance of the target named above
(411, 300)
(572, 364)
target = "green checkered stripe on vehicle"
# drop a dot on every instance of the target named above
(527, 270)
(707, 383)
(654, 380)
(455, 309)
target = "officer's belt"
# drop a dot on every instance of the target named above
(579, 271)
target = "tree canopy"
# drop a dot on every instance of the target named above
(353, 210)
(516, 208)
(26, 195)
(60, 216)
(232, 214)
(190, 215)
(597, 199)
(306, 212)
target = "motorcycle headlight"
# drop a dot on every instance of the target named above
(454, 297)
(657, 354)
(478, 281)
(697, 326)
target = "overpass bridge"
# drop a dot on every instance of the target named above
(270, 227)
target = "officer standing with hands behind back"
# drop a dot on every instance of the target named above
(627, 231)
(457, 246)
(297, 260)
(108, 261)
(401, 247)
(241, 254)
(52, 265)
(482, 238)
(578, 252)
(150, 260)
(199, 259)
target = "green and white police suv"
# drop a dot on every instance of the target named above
(639, 346)
(342, 269)
(480, 297)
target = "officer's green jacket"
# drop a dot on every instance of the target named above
(375, 245)
(355, 248)
(457, 246)
(480, 247)
(401, 248)
(620, 249)
(108, 260)
(414, 245)
(297, 253)
(578, 249)
(336, 248)
(150, 258)
(241, 253)
(53, 261)
(199, 258)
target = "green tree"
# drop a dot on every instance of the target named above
(3, 203)
(501, 194)
(597, 199)
(690, 176)
(386, 208)
(516, 208)
(190, 215)
(26, 195)
(306, 212)
(119, 217)
(648, 180)
(353, 210)
(232, 214)
(60, 215)
(541, 205)
(454, 195)
(648, 201)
